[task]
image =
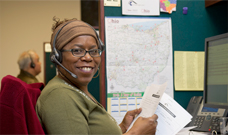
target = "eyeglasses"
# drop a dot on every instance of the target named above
(79, 52)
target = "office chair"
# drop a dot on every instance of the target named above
(17, 107)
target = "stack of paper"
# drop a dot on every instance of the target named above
(186, 131)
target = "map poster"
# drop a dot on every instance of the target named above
(138, 54)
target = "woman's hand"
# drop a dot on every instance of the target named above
(128, 118)
(144, 126)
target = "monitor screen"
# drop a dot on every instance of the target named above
(216, 72)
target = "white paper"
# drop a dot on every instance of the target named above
(141, 7)
(185, 131)
(113, 3)
(150, 100)
(47, 47)
(171, 116)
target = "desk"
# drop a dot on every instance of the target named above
(195, 133)
(185, 131)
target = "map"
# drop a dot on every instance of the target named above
(138, 53)
(168, 5)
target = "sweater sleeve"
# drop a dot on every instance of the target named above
(63, 112)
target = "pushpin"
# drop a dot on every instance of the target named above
(185, 10)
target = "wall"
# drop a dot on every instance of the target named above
(189, 31)
(26, 25)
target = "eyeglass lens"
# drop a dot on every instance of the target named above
(82, 52)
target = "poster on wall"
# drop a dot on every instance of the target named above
(141, 7)
(168, 6)
(112, 3)
(138, 54)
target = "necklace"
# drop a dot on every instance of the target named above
(84, 93)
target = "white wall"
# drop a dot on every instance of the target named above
(27, 25)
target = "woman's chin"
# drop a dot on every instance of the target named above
(85, 81)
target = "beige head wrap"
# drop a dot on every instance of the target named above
(70, 31)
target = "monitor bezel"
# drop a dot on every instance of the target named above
(207, 40)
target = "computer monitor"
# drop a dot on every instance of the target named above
(216, 72)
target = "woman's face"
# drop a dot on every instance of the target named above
(84, 67)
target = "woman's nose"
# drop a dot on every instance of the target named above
(87, 57)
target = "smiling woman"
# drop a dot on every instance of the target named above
(84, 65)
(65, 105)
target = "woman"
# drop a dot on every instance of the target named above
(65, 105)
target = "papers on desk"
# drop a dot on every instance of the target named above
(185, 131)
(171, 116)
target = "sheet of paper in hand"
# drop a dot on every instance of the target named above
(150, 100)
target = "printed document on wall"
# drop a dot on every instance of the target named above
(189, 70)
(138, 54)
(141, 7)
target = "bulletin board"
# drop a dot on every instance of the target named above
(188, 33)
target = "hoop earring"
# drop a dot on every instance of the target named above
(97, 73)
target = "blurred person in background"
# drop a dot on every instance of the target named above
(30, 66)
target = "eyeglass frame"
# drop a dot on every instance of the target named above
(72, 51)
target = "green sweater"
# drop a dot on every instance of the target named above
(64, 109)
(27, 77)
